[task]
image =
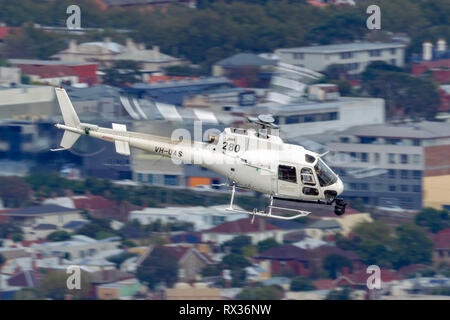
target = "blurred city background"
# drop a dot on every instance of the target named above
(141, 227)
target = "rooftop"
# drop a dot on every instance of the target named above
(47, 62)
(345, 47)
(38, 210)
(243, 226)
(285, 252)
(245, 59)
(418, 130)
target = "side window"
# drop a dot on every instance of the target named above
(310, 191)
(307, 177)
(287, 173)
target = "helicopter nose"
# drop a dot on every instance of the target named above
(339, 186)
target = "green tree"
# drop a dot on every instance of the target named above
(267, 244)
(59, 236)
(235, 261)
(261, 293)
(237, 243)
(334, 263)
(339, 294)
(14, 191)
(7, 229)
(159, 266)
(372, 240)
(211, 271)
(433, 219)
(122, 72)
(302, 284)
(2, 260)
(120, 258)
(410, 246)
(26, 294)
(54, 286)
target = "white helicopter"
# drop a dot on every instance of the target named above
(252, 159)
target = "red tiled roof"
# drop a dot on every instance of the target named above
(406, 270)
(324, 251)
(27, 243)
(92, 202)
(286, 252)
(47, 71)
(441, 239)
(178, 251)
(243, 226)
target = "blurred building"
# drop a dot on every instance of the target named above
(57, 72)
(246, 70)
(324, 111)
(435, 60)
(390, 165)
(9, 76)
(353, 56)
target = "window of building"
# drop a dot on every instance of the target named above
(391, 174)
(287, 173)
(416, 158)
(393, 50)
(364, 157)
(367, 140)
(140, 177)
(392, 188)
(298, 55)
(416, 142)
(377, 157)
(404, 158)
(417, 174)
(292, 119)
(393, 141)
(404, 188)
(404, 174)
(150, 178)
(364, 186)
(375, 53)
(391, 158)
(170, 180)
(417, 188)
(344, 139)
(346, 55)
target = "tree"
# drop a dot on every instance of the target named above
(122, 72)
(433, 219)
(403, 93)
(411, 245)
(159, 266)
(235, 261)
(261, 293)
(54, 286)
(372, 240)
(334, 263)
(14, 191)
(118, 259)
(8, 229)
(237, 243)
(302, 284)
(26, 294)
(211, 271)
(339, 294)
(2, 260)
(267, 244)
(59, 236)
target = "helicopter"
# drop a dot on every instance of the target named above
(255, 158)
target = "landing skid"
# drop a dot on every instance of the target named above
(265, 213)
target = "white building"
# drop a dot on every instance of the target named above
(202, 217)
(78, 247)
(354, 56)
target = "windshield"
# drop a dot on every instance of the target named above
(324, 174)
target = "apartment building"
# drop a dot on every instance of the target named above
(354, 56)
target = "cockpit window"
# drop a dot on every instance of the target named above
(324, 174)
